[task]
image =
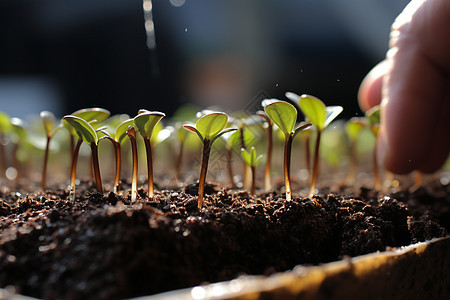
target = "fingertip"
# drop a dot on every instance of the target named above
(369, 94)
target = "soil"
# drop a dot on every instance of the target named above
(105, 247)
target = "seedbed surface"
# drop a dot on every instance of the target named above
(105, 247)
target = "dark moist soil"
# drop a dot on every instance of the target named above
(104, 247)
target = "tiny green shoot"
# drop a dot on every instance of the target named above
(353, 128)
(88, 134)
(116, 139)
(284, 115)
(208, 128)
(145, 122)
(320, 116)
(373, 115)
(49, 121)
(252, 160)
(269, 129)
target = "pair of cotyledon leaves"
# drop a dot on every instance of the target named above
(210, 126)
(145, 122)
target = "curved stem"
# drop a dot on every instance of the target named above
(132, 135)
(73, 170)
(230, 168)
(117, 153)
(202, 179)
(268, 185)
(16, 163)
(44, 168)
(148, 148)
(353, 162)
(308, 158)
(96, 167)
(376, 173)
(287, 166)
(315, 172)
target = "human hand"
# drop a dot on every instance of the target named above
(413, 83)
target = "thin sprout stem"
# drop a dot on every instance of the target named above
(117, 153)
(230, 167)
(308, 157)
(2, 156)
(132, 135)
(44, 168)
(376, 173)
(73, 170)
(268, 185)
(201, 184)
(315, 173)
(253, 180)
(179, 161)
(287, 166)
(96, 167)
(148, 148)
(244, 146)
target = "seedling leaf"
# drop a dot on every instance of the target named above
(292, 96)
(373, 115)
(48, 118)
(95, 114)
(146, 121)
(84, 130)
(211, 124)
(283, 114)
(121, 130)
(332, 113)
(354, 126)
(250, 157)
(301, 127)
(194, 130)
(314, 110)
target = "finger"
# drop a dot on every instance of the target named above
(369, 94)
(415, 87)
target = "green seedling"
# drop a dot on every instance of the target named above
(20, 133)
(284, 115)
(353, 128)
(208, 128)
(145, 122)
(252, 160)
(181, 134)
(87, 133)
(116, 139)
(131, 133)
(269, 130)
(320, 116)
(373, 115)
(50, 127)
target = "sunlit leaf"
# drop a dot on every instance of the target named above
(283, 114)
(83, 129)
(373, 115)
(354, 126)
(96, 114)
(211, 124)
(314, 110)
(121, 130)
(19, 128)
(332, 113)
(146, 121)
(250, 157)
(48, 118)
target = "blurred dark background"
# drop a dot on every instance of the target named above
(62, 55)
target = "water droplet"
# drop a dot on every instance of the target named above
(185, 30)
(11, 173)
